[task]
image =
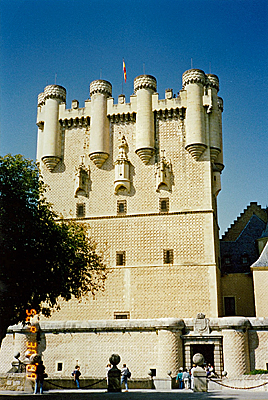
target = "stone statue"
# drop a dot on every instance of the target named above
(114, 374)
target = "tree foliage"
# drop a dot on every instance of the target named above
(40, 258)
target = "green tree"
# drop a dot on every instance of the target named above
(40, 258)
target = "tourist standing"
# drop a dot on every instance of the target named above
(40, 375)
(108, 367)
(125, 374)
(179, 378)
(192, 376)
(186, 378)
(76, 374)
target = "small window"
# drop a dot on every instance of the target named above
(168, 256)
(244, 259)
(80, 210)
(164, 205)
(121, 315)
(120, 258)
(229, 306)
(59, 367)
(121, 207)
(227, 260)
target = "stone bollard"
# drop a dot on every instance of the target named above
(114, 374)
(199, 374)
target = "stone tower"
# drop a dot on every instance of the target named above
(144, 176)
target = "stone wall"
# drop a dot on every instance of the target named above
(240, 345)
(15, 382)
(239, 286)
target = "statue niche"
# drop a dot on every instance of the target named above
(81, 181)
(122, 170)
(163, 174)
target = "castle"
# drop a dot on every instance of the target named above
(144, 176)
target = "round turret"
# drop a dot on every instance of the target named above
(193, 82)
(219, 160)
(50, 146)
(144, 87)
(212, 81)
(99, 148)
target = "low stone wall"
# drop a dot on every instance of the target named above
(255, 382)
(16, 382)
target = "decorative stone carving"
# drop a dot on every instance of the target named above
(213, 81)
(101, 86)
(51, 162)
(193, 76)
(145, 154)
(163, 173)
(145, 81)
(55, 91)
(201, 325)
(122, 176)
(41, 99)
(196, 150)
(81, 180)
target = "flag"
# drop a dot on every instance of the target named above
(124, 71)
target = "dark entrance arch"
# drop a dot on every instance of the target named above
(206, 349)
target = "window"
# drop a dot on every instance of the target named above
(164, 205)
(121, 315)
(244, 259)
(80, 210)
(168, 256)
(121, 207)
(227, 260)
(59, 366)
(229, 306)
(120, 258)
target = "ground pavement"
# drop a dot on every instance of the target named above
(72, 394)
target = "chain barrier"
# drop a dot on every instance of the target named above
(233, 387)
(81, 387)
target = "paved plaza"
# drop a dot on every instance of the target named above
(140, 395)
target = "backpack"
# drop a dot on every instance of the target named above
(128, 374)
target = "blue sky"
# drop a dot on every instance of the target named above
(82, 40)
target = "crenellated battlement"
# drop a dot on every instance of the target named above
(197, 104)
